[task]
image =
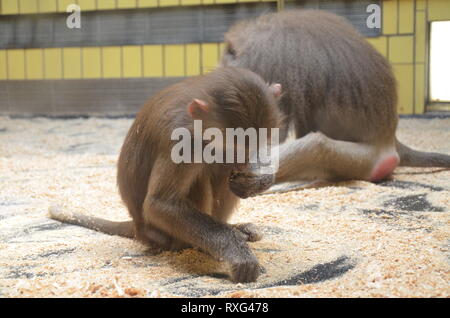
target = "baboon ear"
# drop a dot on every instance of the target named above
(230, 50)
(275, 89)
(198, 109)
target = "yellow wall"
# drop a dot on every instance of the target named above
(109, 62)
(404, 43)
(45, 6)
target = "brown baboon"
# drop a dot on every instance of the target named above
(172, 205)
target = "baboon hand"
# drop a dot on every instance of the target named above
(249, 231)
(245, 268)
(243, 263)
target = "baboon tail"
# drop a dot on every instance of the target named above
(125, 229)
(413, 158)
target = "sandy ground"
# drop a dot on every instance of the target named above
(352, 239)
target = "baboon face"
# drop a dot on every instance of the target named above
(245, 104)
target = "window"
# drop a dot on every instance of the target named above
(440, 61)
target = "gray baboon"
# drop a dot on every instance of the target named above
(339, 95)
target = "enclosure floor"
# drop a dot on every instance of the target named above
(344, 240)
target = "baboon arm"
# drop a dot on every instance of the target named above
(171, 210)
(188, 224)
(220, 240)
(125, 229)
(168, 206)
